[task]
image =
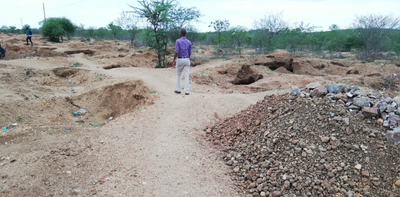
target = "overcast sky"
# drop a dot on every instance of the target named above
(98, 13)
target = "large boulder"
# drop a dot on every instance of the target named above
(336, 88)
(397, 100)
(319, 91)
(362, 101)
(369, 112)
(313, 85)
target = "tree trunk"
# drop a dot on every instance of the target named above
(132, 38)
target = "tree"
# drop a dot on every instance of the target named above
(239, 37)
(296, 37)
(102, 33)
(129, 22)
(12, 29)
(24, 28)
(114, 29)
(55, 28)
(219, 26)
(182, 17)
(4, 29)
(267, 29)
(373, 29)
(156, 14)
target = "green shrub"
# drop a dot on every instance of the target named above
(55, 28)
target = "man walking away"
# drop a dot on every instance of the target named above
(2, 52)
(28, 36)
(183, 50)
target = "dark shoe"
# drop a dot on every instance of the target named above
(178, 92)
(186, 93)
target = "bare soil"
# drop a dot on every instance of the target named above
(138, 137)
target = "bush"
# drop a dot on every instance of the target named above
(55, 28)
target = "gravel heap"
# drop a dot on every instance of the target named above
(370, 106)
(292, 146)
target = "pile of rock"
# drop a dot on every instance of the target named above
(386, 111)
(302, 146)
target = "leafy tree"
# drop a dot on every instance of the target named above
(90, 31)
(115, 30)
(181, 17)
(12, 29)
(102, 33)
(4, 28)
(297, 37)
(267, 29)
(55, 28)
(129, 22)
(239, 37)
(156, 13)
(219, 26)
(373, 29)
(23, 30)
(392, 42)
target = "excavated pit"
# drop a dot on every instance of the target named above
(112, 100)
(112, 67)
(86, 52)
(246, 76)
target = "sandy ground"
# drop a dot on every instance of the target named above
(156, 149)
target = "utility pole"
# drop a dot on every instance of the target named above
(44, 13)
(21, 22)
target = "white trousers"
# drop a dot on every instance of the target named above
(182, 64)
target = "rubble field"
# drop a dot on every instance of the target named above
(316, 141)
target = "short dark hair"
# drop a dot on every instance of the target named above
(183, 32)
(27, 27)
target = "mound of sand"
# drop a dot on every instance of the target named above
(112, 100)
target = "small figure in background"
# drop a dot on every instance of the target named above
(2, 52)
(28, 36)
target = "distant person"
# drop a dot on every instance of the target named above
(183, 50)
(28, 36)
(2, 52)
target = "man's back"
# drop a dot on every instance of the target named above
(183, 47)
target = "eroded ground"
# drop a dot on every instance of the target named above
(137, 138)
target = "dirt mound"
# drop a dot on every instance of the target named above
(283, 70)
(112, 100)
(229, 74)
(282, 147)
(246, 76)
(21, 52)
(304, 68)
(146, 60)
(280, 54)
(77, 45)
(15, 40)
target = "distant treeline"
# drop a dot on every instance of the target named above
(369, 41)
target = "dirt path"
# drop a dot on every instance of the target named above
(159, 151)
(163, 143)
(155, 151)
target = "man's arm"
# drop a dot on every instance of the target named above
(175, 56)
(176, 52)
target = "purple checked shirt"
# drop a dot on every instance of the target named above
(183, 47)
